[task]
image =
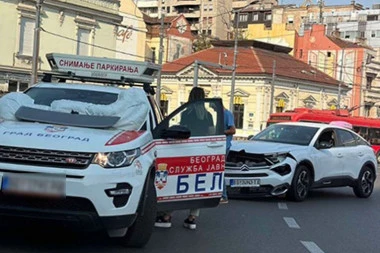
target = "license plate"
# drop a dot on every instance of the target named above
(245, 182)
(36, 185)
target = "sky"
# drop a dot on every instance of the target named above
(366, 3)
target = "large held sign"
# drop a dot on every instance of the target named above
(103, 68)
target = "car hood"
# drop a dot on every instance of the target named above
(263, 147)
(54, 137)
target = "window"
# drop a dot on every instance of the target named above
(205, 7)
(255, 16)
(346, 139)
(164, 107)
(350, 34)
(12, 86)
(279, 109)
(168, 9)
(301, 53)
(239, 115)
(372, 17)
(369, 80)
(268, 16)
(243, 17)
(211, 7)
(17, 86)
(153, 54)
(209, 32)
(26, 36)
(329, 54)
(290, 19)
(83, 44)
(202, 118)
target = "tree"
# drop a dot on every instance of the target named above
(201, 42)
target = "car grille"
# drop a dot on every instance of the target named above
(66, 204)
(238, 159)
(226, 174)
(44, 157)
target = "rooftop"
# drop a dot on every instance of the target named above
(253, 59)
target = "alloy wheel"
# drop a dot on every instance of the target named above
(303, 182)
(367, 181)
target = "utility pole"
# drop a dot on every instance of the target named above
(237, 14)
(160, 56)
(340, 78)
(320, 3)
(272, 87)
(36, 44)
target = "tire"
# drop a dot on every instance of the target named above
(301, 183)
(365, 183)
(139, 233)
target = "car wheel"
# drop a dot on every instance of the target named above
(141, 230)
(365, 183)
(301, 183)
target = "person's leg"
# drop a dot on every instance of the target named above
(224, 198)
(163, 219)
(190, 221)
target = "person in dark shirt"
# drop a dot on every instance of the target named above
(200, 123)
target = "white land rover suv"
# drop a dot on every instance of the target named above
(102, 157)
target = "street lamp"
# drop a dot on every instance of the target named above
(237, 16)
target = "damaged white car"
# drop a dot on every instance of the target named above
(293, 158)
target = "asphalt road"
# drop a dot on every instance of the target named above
(330, 221)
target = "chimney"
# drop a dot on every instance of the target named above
(335, 33)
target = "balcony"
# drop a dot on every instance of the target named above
(146, 4)
(189, 13)
(187, 3)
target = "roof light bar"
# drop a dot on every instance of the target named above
(127, 71)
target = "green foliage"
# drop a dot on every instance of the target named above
(201, 42)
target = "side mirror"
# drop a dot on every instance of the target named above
(176, 132)
(250, 136)
(324, 145)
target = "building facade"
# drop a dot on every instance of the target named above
(177, 38)
(343, 60)
(87, 27)
(131, 34)
(296, 84)
(209, 17)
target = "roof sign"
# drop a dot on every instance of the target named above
(103, 68)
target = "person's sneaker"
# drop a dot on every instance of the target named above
(190, 224)
(162, 223)
(223, 201)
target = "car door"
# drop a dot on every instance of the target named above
(190, 169)
(351, 153)
(327, 160)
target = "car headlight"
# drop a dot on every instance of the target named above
(117, 159)
(277, 158)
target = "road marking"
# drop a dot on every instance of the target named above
(282, 206)
(291, 222)
(312, 247)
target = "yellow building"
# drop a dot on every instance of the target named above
(131, 34)
(296, 84)
(84, 27)
(278, 34)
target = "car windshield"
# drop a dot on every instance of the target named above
(290, 134)
(45, 96)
